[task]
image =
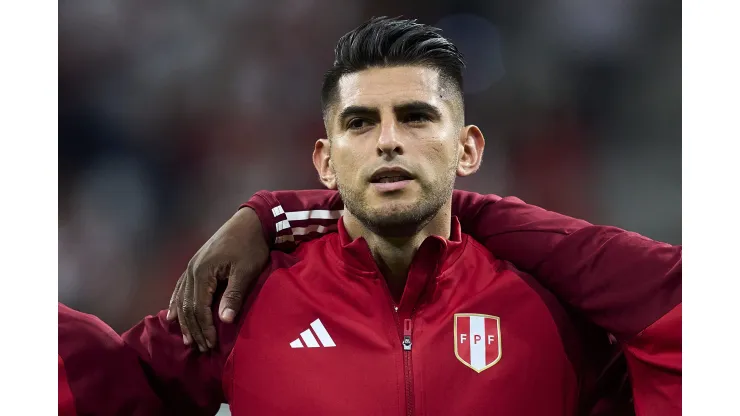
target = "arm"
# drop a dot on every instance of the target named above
(626, 283)
(187, 381)
(621, 280)
(97, 373)
(290, 217)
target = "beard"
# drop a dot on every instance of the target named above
(397, 219)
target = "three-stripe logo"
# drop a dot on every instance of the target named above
(308, 337)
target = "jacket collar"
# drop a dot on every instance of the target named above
(434, 257)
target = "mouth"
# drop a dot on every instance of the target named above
(390, 175)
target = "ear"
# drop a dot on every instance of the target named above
(322, 162)
(472, 144)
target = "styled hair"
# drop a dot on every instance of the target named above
(387, 42)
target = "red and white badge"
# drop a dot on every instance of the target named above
(477, 340)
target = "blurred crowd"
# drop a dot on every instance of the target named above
(172, 113)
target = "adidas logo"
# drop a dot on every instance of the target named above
(310, 340)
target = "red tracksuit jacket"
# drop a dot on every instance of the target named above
(322, 335)
(625, 283)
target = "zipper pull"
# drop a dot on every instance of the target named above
(407, 327)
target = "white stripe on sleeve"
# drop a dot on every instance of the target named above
(282, 225)
(277, 210)
(320, 214)
(313, 228)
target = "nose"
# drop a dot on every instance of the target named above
(389, 141)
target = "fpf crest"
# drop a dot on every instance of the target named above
(477, 340)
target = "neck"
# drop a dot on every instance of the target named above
(394, 255)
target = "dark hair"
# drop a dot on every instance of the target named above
(383, 42)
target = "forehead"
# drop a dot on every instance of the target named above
(377, 87)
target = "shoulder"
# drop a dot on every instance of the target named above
(308, 252)
(281, 265)
(474, 249)
(478, 254)
(502, 268)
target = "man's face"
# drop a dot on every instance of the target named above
(395, 146)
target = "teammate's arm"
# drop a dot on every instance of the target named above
(97, 374)
(239, 250)
(620, 280)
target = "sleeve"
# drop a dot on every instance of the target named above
(291, 217)
(625, 283)
(98, 375)
(187, 381)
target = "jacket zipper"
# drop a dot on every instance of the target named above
(408, 371)
(405, 333)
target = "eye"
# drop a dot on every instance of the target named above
(416, 118)
(358, 123)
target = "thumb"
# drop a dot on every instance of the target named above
(236, 292)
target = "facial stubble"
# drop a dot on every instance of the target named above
(406, 221)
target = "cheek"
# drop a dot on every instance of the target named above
(346, 163)
(440, 154)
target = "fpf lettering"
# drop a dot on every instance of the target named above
(477, 338)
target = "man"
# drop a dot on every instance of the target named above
(625, 283)
(98, 375)
(397, 312)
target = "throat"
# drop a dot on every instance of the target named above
(396, 282)
(394, 262)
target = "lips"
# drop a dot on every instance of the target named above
(389, 175)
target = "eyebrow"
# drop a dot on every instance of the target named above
(405, 108)
(418, 107)
(357, 110)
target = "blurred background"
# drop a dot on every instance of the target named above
(172, 113)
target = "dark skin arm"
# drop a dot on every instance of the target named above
(237, 253)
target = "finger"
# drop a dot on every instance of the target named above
(187, 339)
(172, 310)
(205, 287)
(236, 291)
(189, 308)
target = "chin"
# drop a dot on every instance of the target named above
(406, 196)
(395, 205)
(402, 215)
(397, 212)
